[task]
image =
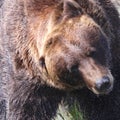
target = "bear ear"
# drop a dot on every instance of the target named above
(71, 8)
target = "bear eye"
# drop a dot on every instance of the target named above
(91, 53)
(42, 62)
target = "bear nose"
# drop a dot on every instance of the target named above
(103, 84)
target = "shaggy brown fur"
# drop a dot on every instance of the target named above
(52, 48)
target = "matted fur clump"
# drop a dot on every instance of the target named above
(59, 53)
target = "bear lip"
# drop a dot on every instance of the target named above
(105, 92)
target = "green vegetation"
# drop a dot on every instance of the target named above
(71, 112)
(75, 112)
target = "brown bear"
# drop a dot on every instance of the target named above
(60, 50)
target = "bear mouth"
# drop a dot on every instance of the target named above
(102, 92)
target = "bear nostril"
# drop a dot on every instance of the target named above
(103, 84)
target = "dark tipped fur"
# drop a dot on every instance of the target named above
(26, 92)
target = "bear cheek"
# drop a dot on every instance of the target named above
(54, 65)
(63, 70)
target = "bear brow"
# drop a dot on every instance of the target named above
(52, 40)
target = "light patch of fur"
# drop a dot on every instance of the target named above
(63, 113)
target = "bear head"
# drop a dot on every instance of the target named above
(74, 51)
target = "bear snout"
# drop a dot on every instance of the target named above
(103, 84)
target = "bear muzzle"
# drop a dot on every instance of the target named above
(104, 85)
